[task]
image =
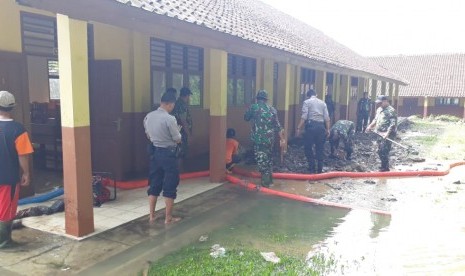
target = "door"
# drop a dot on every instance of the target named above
(13, 78)
(105, 97)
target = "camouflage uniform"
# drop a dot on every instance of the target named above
(181, 111)
(345, 130)
(265, 124)
(363, 113)
(386, 120)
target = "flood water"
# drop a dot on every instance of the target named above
(425, 235)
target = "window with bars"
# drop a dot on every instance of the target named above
(176, 65)
(39, 35)
(447, 101)
(241, 79)
(307, 81)
(53, 79)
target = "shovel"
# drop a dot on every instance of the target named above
(408, 148)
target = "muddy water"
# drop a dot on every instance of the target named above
(425, 234)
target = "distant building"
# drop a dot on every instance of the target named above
(436, 83)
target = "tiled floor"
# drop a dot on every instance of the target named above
(129, 205)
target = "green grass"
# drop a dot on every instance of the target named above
(444, 140)
(197, 261)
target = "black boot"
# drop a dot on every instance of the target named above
(320, 167)
(5, 234)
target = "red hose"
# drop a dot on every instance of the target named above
(134, 184)
(268, 191)
(329, 175)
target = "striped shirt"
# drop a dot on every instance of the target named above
(315, 109)
(161, 128)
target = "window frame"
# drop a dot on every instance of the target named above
(57, 77)
(169, 71)
(247, 74)
(451, 101)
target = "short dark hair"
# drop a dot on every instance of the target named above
(168, 98)
(311, 92)
(230, 133)
(185, 92)
(6, 109)
(171, 90)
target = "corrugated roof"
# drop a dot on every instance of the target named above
(439, 75)
(260, 23)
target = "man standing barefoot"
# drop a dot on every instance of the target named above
(163, 132)
(15, 150)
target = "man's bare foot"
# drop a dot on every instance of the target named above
(172, 220)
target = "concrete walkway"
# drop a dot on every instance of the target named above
(123, 250)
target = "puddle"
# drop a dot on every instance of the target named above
(424, 235)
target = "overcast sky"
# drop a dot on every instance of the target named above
(389, 27)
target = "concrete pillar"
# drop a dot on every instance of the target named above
(320, 84)
(374, 90)
(216, 79)
(425, 107)
(284, 91)
(344, 97)
(267, 78)
(336, 96)
(360, 88)
(396, 96)
(75, 121)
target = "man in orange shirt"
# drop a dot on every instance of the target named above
(15, 150)
(232, 148)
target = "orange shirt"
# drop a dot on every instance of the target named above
(232, 147)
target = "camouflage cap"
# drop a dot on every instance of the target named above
(262, 94)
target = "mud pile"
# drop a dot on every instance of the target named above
(364, 158)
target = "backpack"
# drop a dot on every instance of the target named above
(100, 192)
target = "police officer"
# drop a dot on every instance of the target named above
(342, 130)
(265, 125)
(316, 119)
(385, 125)
(363, 112)
(163, 132)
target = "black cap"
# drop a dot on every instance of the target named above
(185, 92)
(168, 98)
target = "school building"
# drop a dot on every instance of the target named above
(85, 73)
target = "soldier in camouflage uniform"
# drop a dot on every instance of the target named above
(183, 117)
(342, 130)
(385, 124)
(265, 124)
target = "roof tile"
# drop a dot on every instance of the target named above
(258, 22)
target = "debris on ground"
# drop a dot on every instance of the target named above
(270, 257)
(217, 251)
(369, 181)
(56, 207)
(203, 238)
(390, 198)
(457, 182)
(363, 159)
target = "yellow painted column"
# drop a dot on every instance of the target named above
(344, 96)
(75, 121)
(320, 84)
(337, 97)
(284, 85)
(374, 90)
(391, 90)
(267, 83)
(395, 96)
(425, 107)
(216, 79)
(141, 72)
